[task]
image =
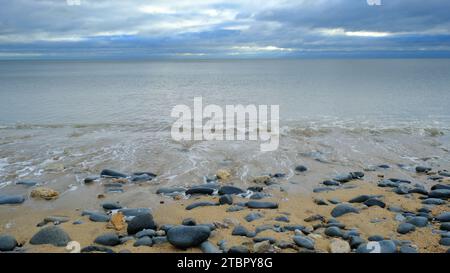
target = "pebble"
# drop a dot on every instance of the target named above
(441, 193)
(111, 173)
(445, 241)
(253, 216)
(331, 183)
(158, 240)
(264, 179)
(282, 218)
(200, 204)
(111, 205)
(304, 242)
(108, 239)
(407, 249)
(262, 247)
(238, 250)
(445, 226)
(422, 169)
(134, 211)
(356, 241)
(239, 231)
(170, 190)
(440, 187)
(418, 221)
(145, 232)
(261, 205)
(374, 202)
(189, 222)
(187, 236)
(223, 174)
(142, 177)
(339, 246)
(262, 239)
(226, 199)
(443, 217)
(342, 209)
(27, 183)
(44, 193)
(208, 247)
(230, 190)
(200, 190)
(433, 201)
(141, 222)
(103, 249)
(143, 241)
(333, 232)
(11, 199)
(375, 238)
(53, 235)
(320, 202)
(399, 217)
(235, 208)
(90, 179)
(315, 217)
(405, 228)
(301, 168)
(323, 189)
(99, 217)
(7, 243)
(258, 196)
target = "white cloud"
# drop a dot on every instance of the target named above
(343, 32)
(262, 49)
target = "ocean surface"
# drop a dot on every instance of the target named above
(335, 115)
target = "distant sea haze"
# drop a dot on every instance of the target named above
(368, 91)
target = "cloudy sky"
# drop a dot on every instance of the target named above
(54, 29)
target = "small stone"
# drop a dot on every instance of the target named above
(109, 239)
(11, 199)
(226, 199)
(141, 222)
(208, 247)
(343, 178)
(374, 202)
(407, 249)
(189, 222)
(262, 247)
(111, 173)
(200, 204)
(342, 209)
(200, 190)
(441, 193)
(118, 221)
(261, 205)
(238, 250)
(187, 236)
(235, 208)
(333, 232)
(301, 168)
(375, 238)
(422, 169)
(99, 217)
(143, 241)
(282, 218)
(443, 217)
(445, 241)
(253, 216)
(239, 231)
(7, 243)
(331, 183)
(230, 190)
(405, 228)
(264, 179)
(304, 241)
(223, 174)
(445, 226)
(111, 205)
(418, 221)
(53, 235)
(433, 201)
(320, 202)
(339, 246)
(44, 193)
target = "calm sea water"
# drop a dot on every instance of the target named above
(336, 116)
(145, 92)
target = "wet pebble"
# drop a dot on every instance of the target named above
(53, 235)
(343, 209)
(108, 239)
(7, 243)
(261, 205)
(11, 199)
(187, 236)
(141, 222)
(303, 241)
(405, 228)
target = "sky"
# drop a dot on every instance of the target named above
(128, 29)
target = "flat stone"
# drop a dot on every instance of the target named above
(230, 190)
(200, 190)
(108, 239)
(343, 209)
(111, 205)
(418, 221)
(111, 173)
(208, 247)
(443, 217)
(374, 202)
(11, 199)
(405, 228)
(253, 216)
(239, 231)
(143, 241)
(333, 232)
(303, 241)
(441, 193)
(200, 204)
(261, 205)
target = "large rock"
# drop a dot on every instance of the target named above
(53, 235)
(342, 209)
(188, 236)
(141, 222)
(11, 199)
(7, 243)
(109, 239)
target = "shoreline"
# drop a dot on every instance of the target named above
(280, 226)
